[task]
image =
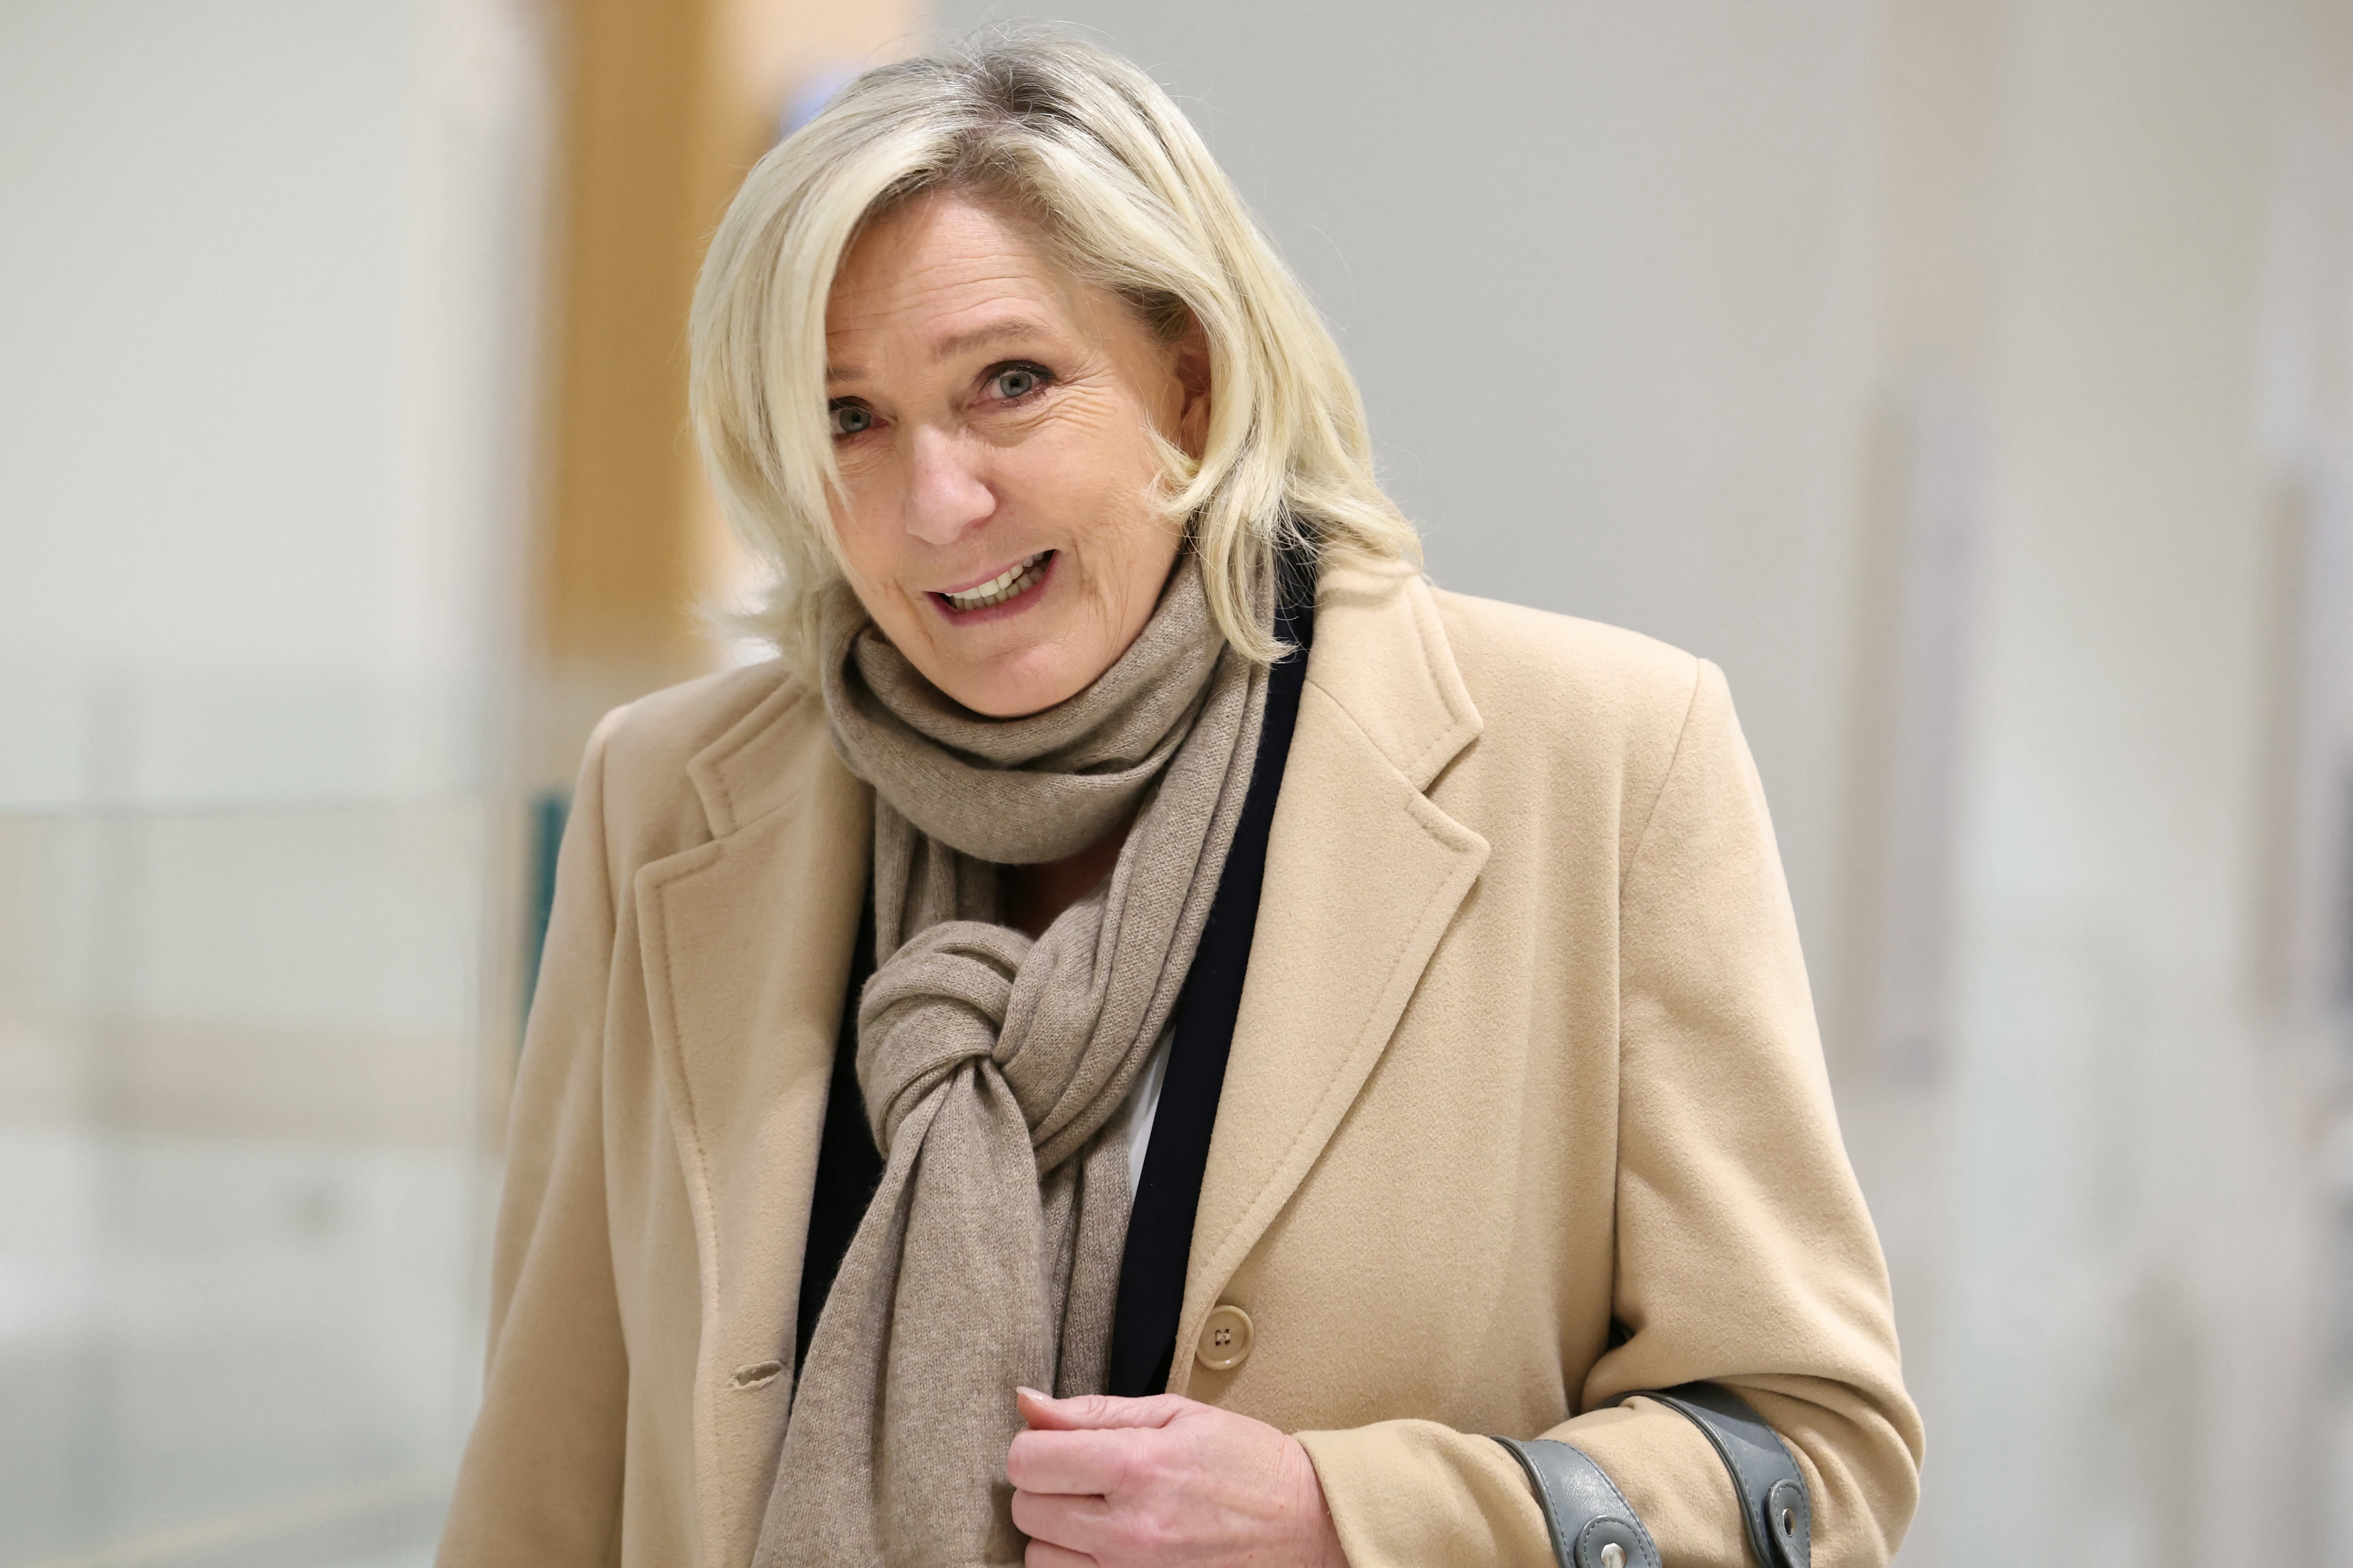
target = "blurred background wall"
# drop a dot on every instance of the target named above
(1974, 380)
(266, 404)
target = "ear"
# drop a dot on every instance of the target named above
(1190, 361)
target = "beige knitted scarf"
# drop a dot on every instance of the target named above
(992, 1066)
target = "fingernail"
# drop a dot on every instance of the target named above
(1033, 1394)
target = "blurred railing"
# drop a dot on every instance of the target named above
(241, 1188)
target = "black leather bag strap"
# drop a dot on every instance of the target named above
(1592, 1524)
(1772, 1492)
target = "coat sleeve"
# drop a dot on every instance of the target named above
(541, 1481)
(1744, 1255)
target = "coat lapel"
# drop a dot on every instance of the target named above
(1362, 875)
(747, 943)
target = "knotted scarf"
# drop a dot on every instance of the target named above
(992, 1066)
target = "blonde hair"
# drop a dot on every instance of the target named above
(1123, 192)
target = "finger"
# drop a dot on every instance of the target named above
(1046, 1554)
(1074, 1464)
(1075, 1523)
(1046, 1413)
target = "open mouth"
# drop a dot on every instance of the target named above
(1010, 583)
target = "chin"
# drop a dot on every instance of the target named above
(1036, 681)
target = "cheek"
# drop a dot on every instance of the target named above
(873, 562)
(1136, 540)
(866, 529)
(1097, 476)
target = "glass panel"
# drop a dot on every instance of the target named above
(269, 269)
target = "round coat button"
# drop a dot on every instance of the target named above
(1225, 1338)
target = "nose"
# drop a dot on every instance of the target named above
(946, 492)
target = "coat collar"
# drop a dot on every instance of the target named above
(760, 763)
(1382, 657)
(1362, 875)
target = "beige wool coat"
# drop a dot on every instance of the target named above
(1525, 1111)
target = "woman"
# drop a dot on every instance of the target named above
(1320, 1021)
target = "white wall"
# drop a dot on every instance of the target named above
(264, 431)
(253, 417)
(2131, 1280)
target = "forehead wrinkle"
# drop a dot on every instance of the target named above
(884, 286)
(898, 277)
(879, 322)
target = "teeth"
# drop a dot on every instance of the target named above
(1011, 583)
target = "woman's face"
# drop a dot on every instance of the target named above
(993, 418)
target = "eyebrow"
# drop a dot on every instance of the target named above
(982, 337)
(957, 343)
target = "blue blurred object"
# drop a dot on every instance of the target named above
(807, 100)
(549, 813)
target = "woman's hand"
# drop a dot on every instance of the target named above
(1141, 1483)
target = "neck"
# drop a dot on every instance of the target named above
(1035, 895)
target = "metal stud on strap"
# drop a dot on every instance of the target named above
(1774, 1507)
(1590, 1522)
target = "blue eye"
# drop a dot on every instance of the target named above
(1016, 382)
(850, 419)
